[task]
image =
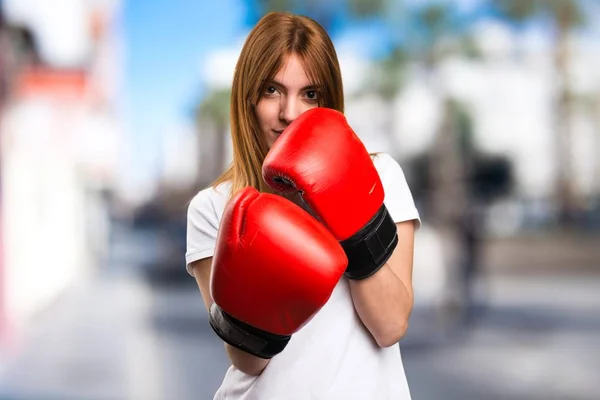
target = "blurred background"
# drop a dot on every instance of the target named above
(114, 114)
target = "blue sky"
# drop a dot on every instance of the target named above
(165, 42)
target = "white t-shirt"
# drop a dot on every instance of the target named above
(333, 356)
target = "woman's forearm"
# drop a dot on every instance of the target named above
(247, 363)
(384, 304)
(243, 361)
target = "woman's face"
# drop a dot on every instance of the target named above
(288, 95)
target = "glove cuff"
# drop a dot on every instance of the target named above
(247, 338)
(370, 248)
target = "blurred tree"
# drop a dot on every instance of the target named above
(590, 105)
(212, 121)
(327, 13)
(435, 33)
(563, 16)
(368, 8)
(385, 80)
(470, 180)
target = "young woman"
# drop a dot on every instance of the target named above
(347, 347)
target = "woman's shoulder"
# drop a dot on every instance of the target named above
(211, 197)
(384, 162)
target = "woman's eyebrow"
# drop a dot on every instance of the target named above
(277, 83)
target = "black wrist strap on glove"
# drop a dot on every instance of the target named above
(370, 248)
(245, 337)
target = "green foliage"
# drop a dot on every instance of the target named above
(215, 107)
(567, 14)
(517, 10)
(368, 8)
(388, 77)
(277, 5)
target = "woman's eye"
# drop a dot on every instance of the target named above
(271, 90)
(311, 94)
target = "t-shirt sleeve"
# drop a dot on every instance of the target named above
(202, 228)
(398, 197)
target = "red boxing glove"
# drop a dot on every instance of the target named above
(273, 269)
(320, 156)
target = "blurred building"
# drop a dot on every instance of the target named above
(510, 92)
(60, 141)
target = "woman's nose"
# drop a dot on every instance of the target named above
(290, 109)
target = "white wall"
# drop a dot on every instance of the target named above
(44, 237)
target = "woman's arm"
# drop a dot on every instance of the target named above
(384, 301)
(243, 361)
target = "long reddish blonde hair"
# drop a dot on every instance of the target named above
(276, 36)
